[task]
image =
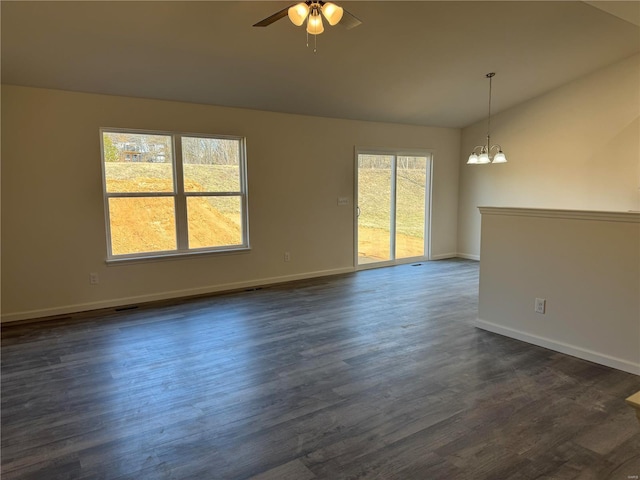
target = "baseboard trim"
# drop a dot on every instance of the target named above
(561, 347)
(175, 294)
(469, 256)
(443, 256)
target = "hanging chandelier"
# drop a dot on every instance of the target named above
(313, 11)
(481, 154)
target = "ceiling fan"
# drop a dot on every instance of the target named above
(313, 11)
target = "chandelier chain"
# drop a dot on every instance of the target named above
(490, 77)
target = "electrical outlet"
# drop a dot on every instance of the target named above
(287, 256)
(94, 279)
(541, 305)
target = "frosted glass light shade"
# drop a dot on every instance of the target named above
(473, 159)
(298, 13)
(500, 158)
(332, 12)
(314, 24)
(484, 158)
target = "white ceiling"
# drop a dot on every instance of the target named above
(410, 62)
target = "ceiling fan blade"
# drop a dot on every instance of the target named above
(349, 20)
(273, 18)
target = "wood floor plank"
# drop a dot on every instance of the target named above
(293, 470)
(378, 374)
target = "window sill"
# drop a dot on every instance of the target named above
(176, 256)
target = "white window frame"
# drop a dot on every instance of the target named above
(180, 198)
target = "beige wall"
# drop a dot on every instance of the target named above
(587, 267)
(53, 231)
(577, 147)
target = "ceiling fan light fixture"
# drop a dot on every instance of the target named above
(332, 12)
(297, 13)
(314, 23)
(311, 12)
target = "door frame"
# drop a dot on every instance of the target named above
(397, 152)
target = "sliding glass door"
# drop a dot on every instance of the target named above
(392, 207)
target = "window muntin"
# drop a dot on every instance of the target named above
(169, 194)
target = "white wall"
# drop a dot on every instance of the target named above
(53, 231)
(576, 147)
(587, 267)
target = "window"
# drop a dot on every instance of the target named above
(171, 194)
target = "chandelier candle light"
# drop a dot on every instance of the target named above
(484, 151)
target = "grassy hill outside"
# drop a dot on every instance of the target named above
(148, 225)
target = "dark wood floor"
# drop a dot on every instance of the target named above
(378, 374)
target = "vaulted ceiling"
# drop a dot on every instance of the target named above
(413, 62)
